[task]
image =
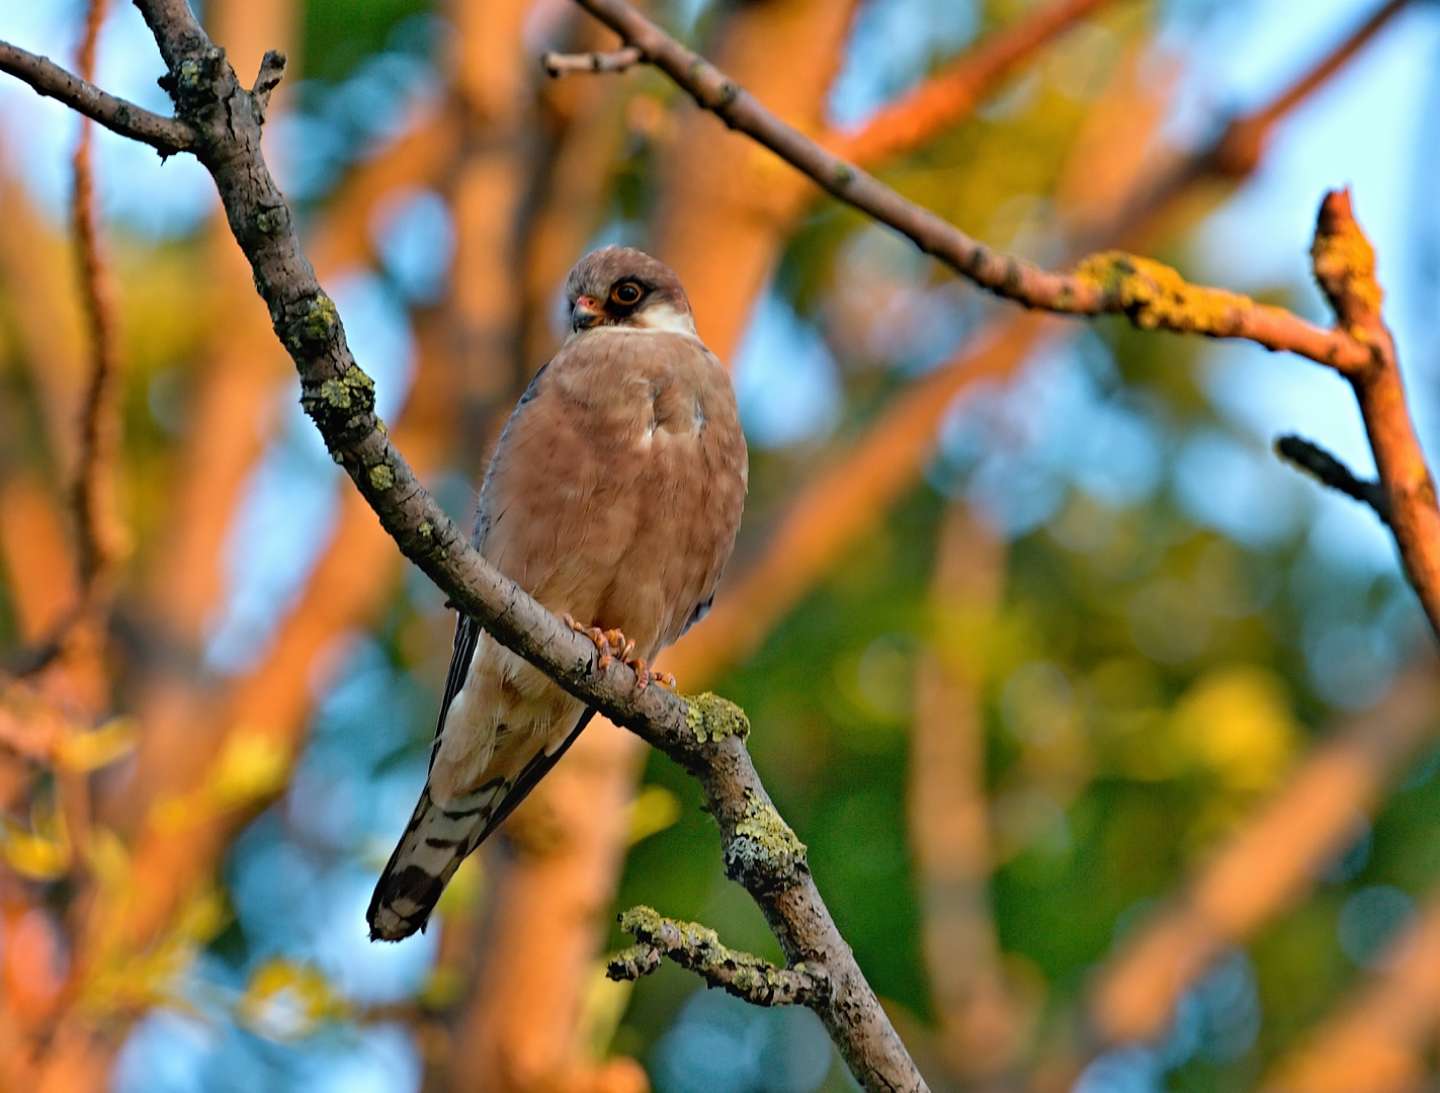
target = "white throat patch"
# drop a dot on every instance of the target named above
(662, 319)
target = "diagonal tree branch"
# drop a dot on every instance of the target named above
(1269, 864)
(1345, 268)
(167, 135)
(843, 499)
(1152, 296)
(704, 735)
(1380, 1038)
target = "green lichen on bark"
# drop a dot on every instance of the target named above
(700, 949)
(764, 853)
(271, 221)
(317, 323)
(352, 391)
(1156, 297)
(710, 718)
(342, 403)
(382, 477)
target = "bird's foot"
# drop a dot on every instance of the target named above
(613, 645)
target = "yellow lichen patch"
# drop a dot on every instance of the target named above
(712, 718)
(382, 477)
(352, 390)
(1345, 267)
(1156, 297)
(764, 852)
(321, 318)
(654, 809)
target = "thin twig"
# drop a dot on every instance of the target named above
(272, 71)
(699, 949)
(1382, 1035)
(100, 535)
(1152, 296)
(704, 735)
(167, 135)
(1330, 471)
(616, 60)
(837, 505)
(1244, 141)
(1149, 294)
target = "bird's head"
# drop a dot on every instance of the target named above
(624, 287)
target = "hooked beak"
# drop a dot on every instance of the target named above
(585, 314)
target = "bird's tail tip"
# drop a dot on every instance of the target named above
(403, 900)
(435, 842)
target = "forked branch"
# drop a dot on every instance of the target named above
(1151, 295)
(705, 735)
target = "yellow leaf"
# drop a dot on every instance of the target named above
(602, 1007)
(202, 917)
(42, 853)
(87, 751)
(252, 766)
(654, 809)
(108, 860)
(1237, 722)
(34, 856)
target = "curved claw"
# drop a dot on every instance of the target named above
(612, 645)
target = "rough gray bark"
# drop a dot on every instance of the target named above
(219, 121)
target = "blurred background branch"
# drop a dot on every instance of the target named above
(1037, 639)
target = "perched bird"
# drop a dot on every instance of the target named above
(613, 498)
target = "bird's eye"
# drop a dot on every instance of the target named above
(626, 293)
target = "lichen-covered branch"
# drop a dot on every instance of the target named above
(841, 501)
(1345, 269)
(699, 949)
(167, 135)
(705, 735)
(1151, 295)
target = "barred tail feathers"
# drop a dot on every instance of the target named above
(435, 842)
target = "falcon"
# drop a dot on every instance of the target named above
(613, 497)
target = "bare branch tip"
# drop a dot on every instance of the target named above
(1327, 469)
(272, 71)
